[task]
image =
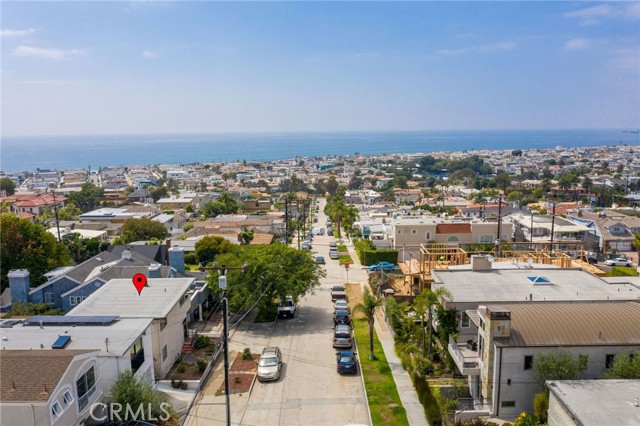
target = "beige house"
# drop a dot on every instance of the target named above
(412, 231)
(48, 387)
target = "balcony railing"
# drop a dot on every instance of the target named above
(466, 358)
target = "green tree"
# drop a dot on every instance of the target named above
(424, 304)
(158, 192)
(225, 204)
(69, 212)
(136, 393)
(26, 245)
(626, 365)
(209, 247)
(368, 307)
(7, 184)
(25, 309)
(356, 182)
(332, 185)
(272, 272)
(636, 242)
(540, 406)
(246, 236)
(558, 364)
(79, 248)
(142, 230)
(88, 198)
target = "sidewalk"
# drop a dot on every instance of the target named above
(408, 394)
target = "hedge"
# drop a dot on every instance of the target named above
(376, 256)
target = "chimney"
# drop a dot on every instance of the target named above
(154, 271)
(19, 285)
(176, 258)
(480, 263)
(126, 254)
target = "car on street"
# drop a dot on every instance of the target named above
(330, 231)
(287, 308)
(341, 317)
(315, 219)
(342, 336)
(589, 259)
(306, 245)
(333, 244)
(346, 362)
(270, 364)
(620, 261)
(382, 266)
(333, 254)
(340, 305)
(320, 260)
(337, 292)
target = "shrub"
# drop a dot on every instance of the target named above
(202, 365)
(191, 259)
(183, 385)
(371, 257)
(202, 342)
(246, 354)
(182, 368)
(237, 379)
(540, 406)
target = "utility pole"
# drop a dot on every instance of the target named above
(55, 209)
(553, 222)
(286, 218)
(499, 223)
(298, 216)
(222, 285)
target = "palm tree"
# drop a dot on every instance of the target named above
(424, 304)
(370, 303)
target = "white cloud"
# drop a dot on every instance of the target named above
(48, 53)
(148, 54)
(594, 14)
(577, 44)
(485, 48)
(17, 33)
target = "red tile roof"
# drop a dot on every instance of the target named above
(453, 228)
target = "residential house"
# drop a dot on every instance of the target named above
(500, 367)
(538, 228)
(111, 345)
(166, 301)
(612, 230)
(31, 205)
(48, 387)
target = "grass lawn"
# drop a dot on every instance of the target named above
(345, 258)
(384, 401)
(622, 271)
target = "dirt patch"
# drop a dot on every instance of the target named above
(354, 295)
(238, 383)
(245, 365)
(189, 365)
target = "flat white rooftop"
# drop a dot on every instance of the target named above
(122, 333)
(511, 284)
(599, 402)
(120, 297)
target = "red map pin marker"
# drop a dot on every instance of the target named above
(139, 281)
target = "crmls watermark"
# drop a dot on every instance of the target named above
(120, 412)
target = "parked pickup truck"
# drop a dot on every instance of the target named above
(337, 292)
(287, 308)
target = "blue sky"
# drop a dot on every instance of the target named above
(74, 68)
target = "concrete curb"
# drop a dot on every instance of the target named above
(366, 395)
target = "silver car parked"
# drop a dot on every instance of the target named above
(270, 364)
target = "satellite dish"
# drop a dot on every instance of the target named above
(490, 258)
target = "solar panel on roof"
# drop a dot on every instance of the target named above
(70, 320)
(61, 342)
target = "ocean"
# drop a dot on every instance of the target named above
(65, 152)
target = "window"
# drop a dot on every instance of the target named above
(48, 298)
(399, 231)
(56, 409)
(508, 403)
(453, 239)
(67, 397)
(137, 355)
(164, 352)
(163, 324)
(528, 362)
(72, 300)
(464, 320)
(413, 231)
(609, 361)
(428, 236)
(86, 386)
